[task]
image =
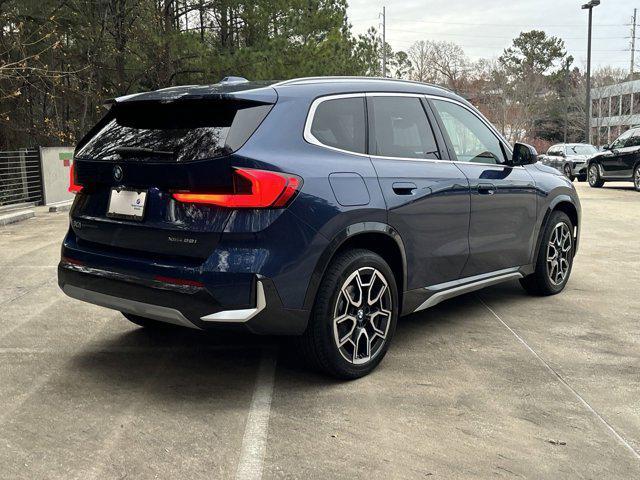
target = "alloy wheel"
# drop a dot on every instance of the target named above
(559, 251)
(593, 175)
(636, 178)
(362, 316)
(567, 171)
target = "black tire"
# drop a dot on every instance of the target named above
(636, 178)
(568, 173)
(318, 345)
(540, 282)
(593, 176)
(148, 322)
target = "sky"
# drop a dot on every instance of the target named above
(484, 28)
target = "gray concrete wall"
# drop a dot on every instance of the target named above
(56, 163)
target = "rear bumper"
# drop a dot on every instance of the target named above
(187, 305)
(580, 170)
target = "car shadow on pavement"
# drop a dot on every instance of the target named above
(198, 366)
(621, 188)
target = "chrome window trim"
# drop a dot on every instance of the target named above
(309, 138)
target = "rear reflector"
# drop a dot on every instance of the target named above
(178, 281)
(71, 261)
(73, 186)
(265, 189)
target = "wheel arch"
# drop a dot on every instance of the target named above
(378, 237)
(562, 203)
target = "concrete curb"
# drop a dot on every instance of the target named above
(15, 217)
(60, 207)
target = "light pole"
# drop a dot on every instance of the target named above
(587, 128)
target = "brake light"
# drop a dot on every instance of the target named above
(263, 189)
(73, 186)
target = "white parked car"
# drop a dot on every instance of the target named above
(570, 158)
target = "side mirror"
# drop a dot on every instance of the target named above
(524, 154)
(606, 147)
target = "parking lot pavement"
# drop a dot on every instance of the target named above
(494, 384)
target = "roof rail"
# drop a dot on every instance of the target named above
(294, 81)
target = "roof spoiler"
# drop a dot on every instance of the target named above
(229, 89)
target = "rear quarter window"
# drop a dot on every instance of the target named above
(340, 123)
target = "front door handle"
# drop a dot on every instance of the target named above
(404, 188)
(486, 189)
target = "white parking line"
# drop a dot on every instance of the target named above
(566, 385)
(254, 441)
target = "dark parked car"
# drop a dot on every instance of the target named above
(322, 208)
(570, 158)
(620, 161)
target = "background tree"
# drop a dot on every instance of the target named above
(60, 59)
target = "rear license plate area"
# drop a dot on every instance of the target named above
(127, 204)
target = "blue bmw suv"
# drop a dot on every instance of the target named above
(320, 208)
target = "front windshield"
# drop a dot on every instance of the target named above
(619, 143)
(582, 150)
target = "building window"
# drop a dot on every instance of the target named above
(615, 133)
(615, 106)
(604, 135)
(626, 104)
(636, 103)
(595, 108)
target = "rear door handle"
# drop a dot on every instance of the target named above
(486, 189)
(404, 188)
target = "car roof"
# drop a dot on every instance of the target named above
(571, 145)
(265, 91)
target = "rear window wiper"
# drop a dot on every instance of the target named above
(128, 151)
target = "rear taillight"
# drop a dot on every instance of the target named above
(252, 189)
(73, 185)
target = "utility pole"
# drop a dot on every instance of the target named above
(587, 127)
(384, 42)
(633, 43)
(566, 99)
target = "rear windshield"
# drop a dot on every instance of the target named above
(175, 132)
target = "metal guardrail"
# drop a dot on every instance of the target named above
(20, 177)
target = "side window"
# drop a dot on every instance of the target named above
(472, 140)
(401, 129)
(340, 123)
(634, 140)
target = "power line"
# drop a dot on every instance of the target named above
(464, 47)
(506, 37)
(507, 25)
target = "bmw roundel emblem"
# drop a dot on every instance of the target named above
(117, 173)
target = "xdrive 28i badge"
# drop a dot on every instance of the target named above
(118, 173)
